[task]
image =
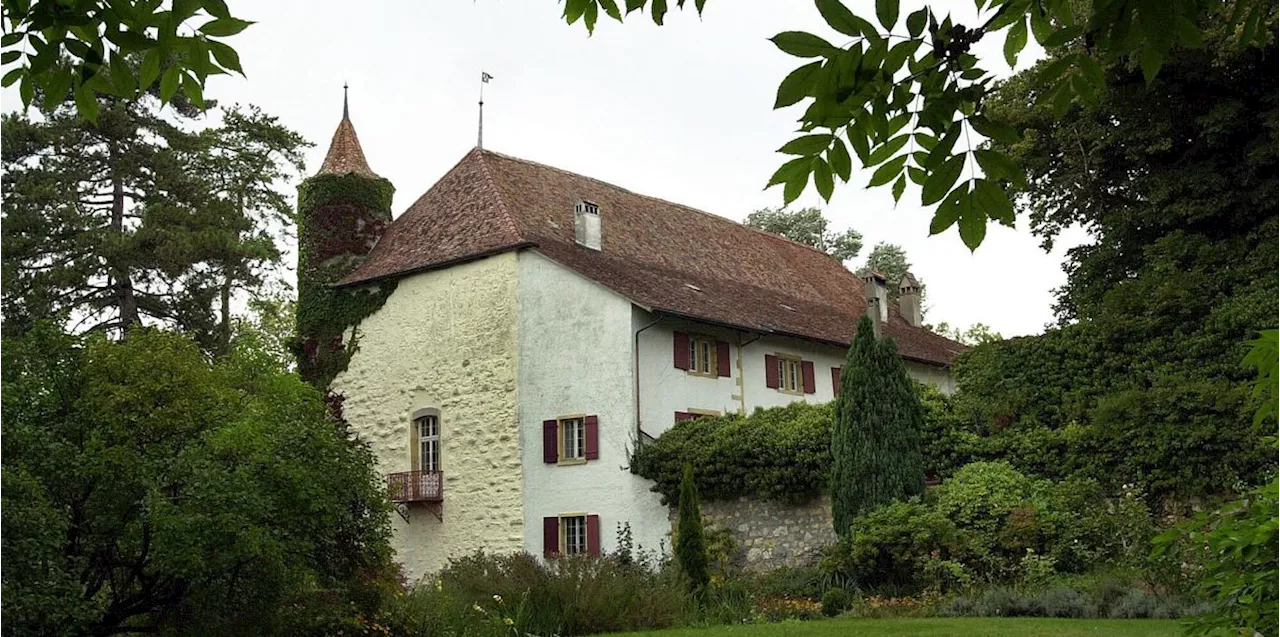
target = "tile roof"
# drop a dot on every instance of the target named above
(661, 255)
(345, 155)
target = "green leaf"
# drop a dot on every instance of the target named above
(1040, 25)
(998, 131)
(13, 76)
(1152, 60)
(973, 224)
(887, 150)
(573, 10)
(1062, 36)
(150, 69)
(224, 27)
(1083, 89)
(796, 183)
(217, 8)
(168, 84)
(838, 157)
(87, 103)
(822, 179)
(1062, 98)
(590, 16)
(1092, 71)
(55, 92)
(226, 56)
(10, 39)
(192, 88)
(801, 44)
(887, 13)
(899, 54)
(942, 149)
(996, 165)
(658, 10)
(839, 17)
(611, 9)
(1014, 42)
(948, 213)
(993, 201)
(916, 22)
(787, 170)
(797, 85)
(807, 145)
(887, 172)
(899, 187)
(122, 76)
(941, 180)
(916, 175)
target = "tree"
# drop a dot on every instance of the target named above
(904, 97)
(807, 226)
(137, 220)
(977, 334)
(891, 261)
(875, 435)
(96, 49)
(147, 489)
(691, 541)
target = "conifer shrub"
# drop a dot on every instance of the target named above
(690, 541)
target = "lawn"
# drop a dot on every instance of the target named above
(963, 626)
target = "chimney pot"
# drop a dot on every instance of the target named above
(586, 225)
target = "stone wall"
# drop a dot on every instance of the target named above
(771, 534)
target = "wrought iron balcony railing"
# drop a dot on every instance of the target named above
(416, 486)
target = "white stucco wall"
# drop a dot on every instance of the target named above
(664, 389)
(576, 357)
(446, 339)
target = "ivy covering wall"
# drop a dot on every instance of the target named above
(340, 217)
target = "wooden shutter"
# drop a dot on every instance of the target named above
(593, 535)
(682, 416)
(551, 536)
(722, 359)
(806, 372)
(770, 371)
(415, 447)
(835, 381)
(550, 452)
(592, 423)
(680, 350)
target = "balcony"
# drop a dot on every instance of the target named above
(416, 486)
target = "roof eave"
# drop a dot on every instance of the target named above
(438, 265)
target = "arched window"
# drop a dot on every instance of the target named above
(425, 441)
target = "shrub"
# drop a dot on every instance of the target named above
(1036, 569)
(806, 582)
(990, 503)
(1065, 602)
(891, 546)
(1082, 528)
(835, 601)
(690, 542)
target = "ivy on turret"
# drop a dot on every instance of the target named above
(340, 218)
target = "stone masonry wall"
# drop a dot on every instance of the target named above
(771, 534)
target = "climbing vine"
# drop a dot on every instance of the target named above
(340, 217)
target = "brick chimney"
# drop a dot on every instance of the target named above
(877, 297)
(909, 300)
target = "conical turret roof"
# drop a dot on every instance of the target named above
(345, 155)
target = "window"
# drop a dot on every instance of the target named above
(573, 534)
(429, 443)
(573, 439)
(702, 356)
(790, 375)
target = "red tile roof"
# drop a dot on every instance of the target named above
(345, 155)
(661, 255)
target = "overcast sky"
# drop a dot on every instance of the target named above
(682, 112)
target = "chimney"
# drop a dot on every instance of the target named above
(877, 297)
(909, 300)
(586, 224)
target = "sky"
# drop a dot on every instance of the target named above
(682, 112)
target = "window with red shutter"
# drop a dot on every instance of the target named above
(806, 371)
(722, 359)
(680, 350)
(771, 371)
(835, 381)
(551, 536)
(593, 535)
(550, 450)
(592, 451)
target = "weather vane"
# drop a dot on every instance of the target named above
(484, 79)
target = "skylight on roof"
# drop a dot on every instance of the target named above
(693, 287)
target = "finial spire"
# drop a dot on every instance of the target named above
(346, 114)
(484, 79)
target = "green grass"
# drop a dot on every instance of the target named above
(960, 626)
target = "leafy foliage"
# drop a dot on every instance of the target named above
(895, 546)
(94, 49)
(903, 102)
(147, 489)
(690, 541)
(875, 437)
(807, 226)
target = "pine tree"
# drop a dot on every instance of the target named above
(875, 437)
(691, 542)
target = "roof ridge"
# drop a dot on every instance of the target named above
(497, 194)
(659, 199)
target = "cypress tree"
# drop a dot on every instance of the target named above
(691, 543)
(875, 436)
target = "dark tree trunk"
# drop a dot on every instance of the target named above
(126, 303)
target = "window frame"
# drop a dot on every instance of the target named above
(428, 445)
(561, 431)
(790, 362)
(710, 356)
(563, 528)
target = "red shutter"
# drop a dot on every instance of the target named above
(680, 351)
(550, 451)
(806, 371)
(593, 437)
(835, 381)
(682, 416)
(551, 536)
(722, 358)
(593, 535)
(770, 371)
